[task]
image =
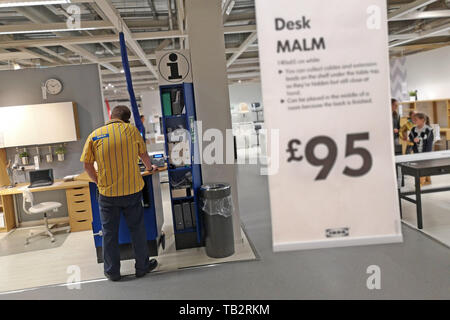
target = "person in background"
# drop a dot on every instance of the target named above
(143, 122)
(396, 126)
(422, 138)
(116, 147)
(406, 128)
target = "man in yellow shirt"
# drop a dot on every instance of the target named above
(116, 148)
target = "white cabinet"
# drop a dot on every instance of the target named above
(38, 124)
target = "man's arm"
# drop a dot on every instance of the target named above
(89, 167)
(148, 163)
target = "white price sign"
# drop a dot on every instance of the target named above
(325, 84)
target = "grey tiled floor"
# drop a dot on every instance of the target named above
(417, 268)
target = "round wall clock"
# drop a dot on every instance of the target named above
(53, 86)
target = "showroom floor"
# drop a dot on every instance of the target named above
(50, 266)
(435, 207)
(417, 268)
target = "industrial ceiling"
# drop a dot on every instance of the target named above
(34, 33)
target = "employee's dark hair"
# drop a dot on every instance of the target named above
(121, 112)
(393, 101)
(423, 116)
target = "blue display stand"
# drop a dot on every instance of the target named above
(153, 217)
(182, 115)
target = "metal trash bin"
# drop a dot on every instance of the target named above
(217, 210)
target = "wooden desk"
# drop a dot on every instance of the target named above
(419, 169)
(78, 202)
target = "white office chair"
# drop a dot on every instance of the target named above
(43, 207)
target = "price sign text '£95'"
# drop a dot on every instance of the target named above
(328, 162)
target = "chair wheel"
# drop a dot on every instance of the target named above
(53, 240)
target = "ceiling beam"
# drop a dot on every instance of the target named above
(226, 9)
(239, 29)
(247, 42)
(408, 8)
(54, 54)
(83, 52)
(435, 14)
(112, 38)
(40, 56)
(17, 55)
(88, 39)
(52, 27)
(114, 17)
(421, 35)
(422, 46)
(180, 20)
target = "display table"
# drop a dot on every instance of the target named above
(422, 168)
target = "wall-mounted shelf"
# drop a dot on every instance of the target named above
(38, 124)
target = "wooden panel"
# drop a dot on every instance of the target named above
(81, 225)
(9, 215)
(75, 192)
(77, 198)
(434, 117)
(4, 179)
(84, 214)
(38, 124)
(441, 112)
(79, 207)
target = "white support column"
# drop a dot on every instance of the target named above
(207, 47)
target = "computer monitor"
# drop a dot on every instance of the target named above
(39, 178)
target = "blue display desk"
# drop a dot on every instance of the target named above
(153, 215)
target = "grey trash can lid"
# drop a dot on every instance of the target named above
(215, 190)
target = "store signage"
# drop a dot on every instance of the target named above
(173, 66)
(325, 84)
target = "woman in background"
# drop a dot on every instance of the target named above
(422, 138)
(396, 126)
(406, 128)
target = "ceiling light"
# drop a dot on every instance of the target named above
(122, 71)
(16, 66)
(23, 3)
(230, 7)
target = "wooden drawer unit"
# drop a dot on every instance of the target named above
(79, 206)
(80, 225)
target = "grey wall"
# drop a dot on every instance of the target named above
(81, 84)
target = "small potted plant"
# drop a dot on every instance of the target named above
(24, 156)
(49, 156)
(413, 95)
(60, 151)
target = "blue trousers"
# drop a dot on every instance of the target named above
(133, 212)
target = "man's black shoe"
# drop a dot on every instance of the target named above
(113, 277)
(152, 265)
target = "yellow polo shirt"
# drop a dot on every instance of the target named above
(116, 148)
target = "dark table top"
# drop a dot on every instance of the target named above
(423, 164)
